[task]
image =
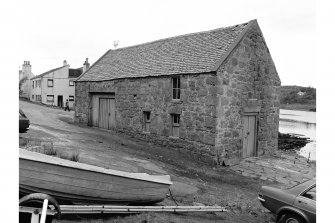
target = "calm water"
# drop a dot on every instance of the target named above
(301, 123)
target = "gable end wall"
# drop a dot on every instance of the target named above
(248, 73)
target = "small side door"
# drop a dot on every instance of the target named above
(249, 136)
(306, 202)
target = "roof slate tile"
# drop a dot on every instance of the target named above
(186, 54)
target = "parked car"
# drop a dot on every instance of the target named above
(23, 122)
(297, 204)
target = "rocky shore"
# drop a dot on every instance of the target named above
(291, 142)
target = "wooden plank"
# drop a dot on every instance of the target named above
(100, 209)
(111, 113)
(245, 136)
(251, 136)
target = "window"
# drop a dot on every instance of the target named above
(50, 98)
(176, 88)
(311, 194)
(146, 117)
(71, 83)
(33, 96)
(33, 84)
(71, 98)
(175, 125)
(50, 83)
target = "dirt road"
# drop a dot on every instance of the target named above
(194, 181)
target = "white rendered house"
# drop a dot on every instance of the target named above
(56, 86)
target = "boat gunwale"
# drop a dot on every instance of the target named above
(96, 169)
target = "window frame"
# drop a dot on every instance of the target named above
(70, 83)
(52, 81)
(307, 191)
(53, 98)
(146, 121)
(176, 91)
(175, 126)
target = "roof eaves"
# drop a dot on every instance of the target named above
(232, 46)
(166, 75)
(93, 65)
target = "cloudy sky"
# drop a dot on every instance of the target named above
(49, 32)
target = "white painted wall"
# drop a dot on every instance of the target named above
(60, 87)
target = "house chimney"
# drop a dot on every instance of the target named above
(86, 65)
(64, 63)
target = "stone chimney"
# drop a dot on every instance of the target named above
(65, 63)
(86, 65)
(26, 68)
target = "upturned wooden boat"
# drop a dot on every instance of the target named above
(82, 183)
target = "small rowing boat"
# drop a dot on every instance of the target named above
(82, 183)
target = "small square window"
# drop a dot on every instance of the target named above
(176, 88)
(147, 120)
(50, 98)
(175, 125)
(71, 98)
(50, 83)
(71, 83)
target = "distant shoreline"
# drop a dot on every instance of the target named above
(299, 107)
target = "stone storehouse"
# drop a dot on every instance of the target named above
(213, 95)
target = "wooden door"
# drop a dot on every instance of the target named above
(106, 113)
(111, 113)
(249, 136)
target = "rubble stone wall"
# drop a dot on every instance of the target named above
(197, 109)
(248, 73)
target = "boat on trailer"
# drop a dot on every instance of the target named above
(81, 183)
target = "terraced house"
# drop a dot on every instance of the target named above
(55, 86)
(212, 95)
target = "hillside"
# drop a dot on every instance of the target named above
(298, 98)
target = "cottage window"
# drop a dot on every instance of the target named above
(175, 125)
(50, 83)
(50, 98)
(176, 88)
(71, 98)
(71, 83)
(146, 118)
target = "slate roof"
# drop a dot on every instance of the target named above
(49, 71)
(187, 54)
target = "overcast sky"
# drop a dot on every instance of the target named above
(52, 31)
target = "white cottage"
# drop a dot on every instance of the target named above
(56, 86)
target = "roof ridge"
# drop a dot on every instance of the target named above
(54, 69)
(234, 44)
(183, 35)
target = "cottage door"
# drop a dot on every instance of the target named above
(249, 136)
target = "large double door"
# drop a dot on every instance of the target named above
(106, 118)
